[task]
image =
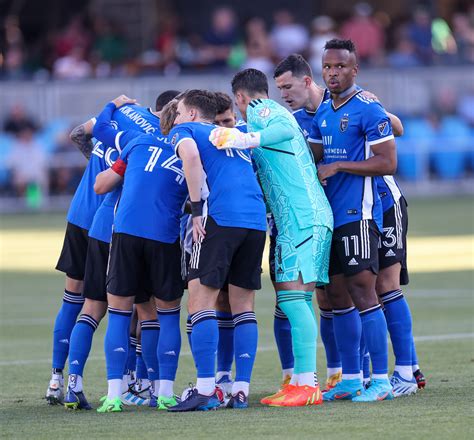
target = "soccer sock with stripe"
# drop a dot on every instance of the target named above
(65, 321)
(205, 338)
(282, 333)
(116, 348)
(150, 335)
(169, 347)
(140, 364)
(399, 323)
(225, 348)
(303, 330)
(132, 355)
(245, 343)
(374, 327)
(333, 359)
(347, 332)
(364, 360)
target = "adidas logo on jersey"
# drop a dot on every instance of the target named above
(390, 253)
(64, 341)
(245, 356)
(353, 262)
(323, 125)
(171, 353)
(120, 349)
(150, 370)
(76, 362)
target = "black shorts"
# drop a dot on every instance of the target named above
(354, 248)
(393, 242)
(139, 266)
(72, 260)
(96, 270)
(228, 253)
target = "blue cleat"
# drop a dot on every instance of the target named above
(238, 401)
(379, 389)
(402, 387)
(346, 389)
(76, 400)
(196, 402)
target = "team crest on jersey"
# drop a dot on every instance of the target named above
(344, 122)
(174, 139)
(265, 112)
(383, 128)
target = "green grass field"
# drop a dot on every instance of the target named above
(442, 303)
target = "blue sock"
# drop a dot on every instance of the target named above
(414, 356)
(169, 345)
(150, 335)
(374, 327)
(333, 359)
(225, 348)
(189, 329)
(140, 364)
(116, 342)
(132, 354)
(205, 338)
(245, 342)
(65, 321)
(282, 332)
(364, 358)
(80, 343)
(347, 332)
(399, 323)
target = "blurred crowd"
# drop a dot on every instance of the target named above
(96, 46)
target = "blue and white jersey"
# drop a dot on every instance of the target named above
(235, 198)
(305, 118)
(241, 125)
(389, 191)
(128, 117)
(347, 134)
(85, 202)
(154, 190)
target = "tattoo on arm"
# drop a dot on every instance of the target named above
(82, 140)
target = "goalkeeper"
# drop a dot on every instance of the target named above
(303, 218)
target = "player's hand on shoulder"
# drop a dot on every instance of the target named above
(122, 100)
(370, 95)
(326, 171)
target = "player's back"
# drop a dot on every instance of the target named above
(235, 198)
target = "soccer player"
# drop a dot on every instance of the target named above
(145, 252)
(303, 218)
(130, 117)
(229, 238)
(353, 136)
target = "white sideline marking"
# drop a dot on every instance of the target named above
(427, 338)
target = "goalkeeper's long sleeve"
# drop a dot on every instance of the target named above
(276, 133)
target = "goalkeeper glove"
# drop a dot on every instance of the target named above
(224, 138)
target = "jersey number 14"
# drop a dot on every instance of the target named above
(169, 164)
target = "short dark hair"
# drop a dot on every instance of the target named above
(204, 100)
(224, 102)
(294, 63)
(335, 43)
(164, 98)
(252, 81)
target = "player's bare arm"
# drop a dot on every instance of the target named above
(106, 181)
(318, 151)
(82, 137)
(383, 162)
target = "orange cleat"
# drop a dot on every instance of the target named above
(298, 396)
(332, 381)
(284, 384)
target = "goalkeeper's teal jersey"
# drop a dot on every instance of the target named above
(287, 171)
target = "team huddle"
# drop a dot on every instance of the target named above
(183, 196)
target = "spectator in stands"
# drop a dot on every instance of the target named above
(14, 49)
(404, 54)
(463, 32)
(167, 43)
(74, 35)
(419, 31)
(366, 33)
(257, 46)
(73, 66)
(287, 36)
(109, 46)
(322, 29)
(465, 107)
(17, 120)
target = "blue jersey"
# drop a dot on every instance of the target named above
(128, 117)
(305, 117)
(241, 126)
(235, 198)
(154, 189)
(389, 191)
(347, 134)
(85, 201)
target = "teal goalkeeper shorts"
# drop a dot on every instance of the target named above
(305, 252)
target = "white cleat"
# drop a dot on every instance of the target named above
(402, 387)
(55, 392)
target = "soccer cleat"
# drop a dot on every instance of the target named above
(163, 402)
(332, 381)
(110, 405)
(346, 389)
(402, 387)
(55, 392)
(238, 401)
(420, 379)
(133, 397)
(284, 384)
(196, 402)
(380, 389)
(76, 400)
(225, 384)
(153, 401)
(303, 395)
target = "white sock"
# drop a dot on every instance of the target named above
(332, 371)
(306, 379)
(115, 388)
(351, 376)
(124, 383)
(294, 379)
(206, 385)
(240, 386)
(380, 376)
(156, 387)
(144, 384)
(58, 376)
(221, 374)
(404, 371)
(75, 382)
(415, 367)
(166, 388)
(287, 372)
